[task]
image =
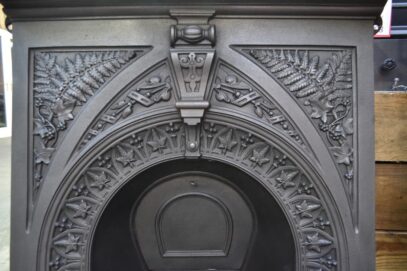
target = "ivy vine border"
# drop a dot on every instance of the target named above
(317, 236)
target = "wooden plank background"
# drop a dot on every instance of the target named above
(391, 181)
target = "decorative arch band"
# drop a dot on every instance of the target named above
(281, 172)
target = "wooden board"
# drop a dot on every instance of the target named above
(391, 251)
(391, 196)
(391, 126)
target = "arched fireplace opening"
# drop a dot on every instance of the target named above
(227, 221)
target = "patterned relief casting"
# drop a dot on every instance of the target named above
(79, 209)
(63, 82)
(232, 88)
(153, 88)
(322, 82)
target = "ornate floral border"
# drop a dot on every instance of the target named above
(322, 83)
(316, 236)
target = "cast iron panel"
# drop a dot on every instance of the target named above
(63, 81)
(322, 82)
(193, 221)
(285, 103)
(97, 182)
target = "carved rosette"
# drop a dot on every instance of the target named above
(322, 83)
(299, 195)
(63, 81)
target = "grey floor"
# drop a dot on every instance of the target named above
(4, 203)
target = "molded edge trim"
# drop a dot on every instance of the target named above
(69, 13)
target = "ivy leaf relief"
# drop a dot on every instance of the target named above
(285, 180)
(127, 157)
(348, 126)
(71, 244)
(41, 129)
(314, 242)
(304, 209)
(43, 154)
(226, 143)
(81, 210)
(99, 181)
(63, 112)
(158, 142)
(320, 109)
(342, 154)
(258, 157)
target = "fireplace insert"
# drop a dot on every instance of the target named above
(168, 136)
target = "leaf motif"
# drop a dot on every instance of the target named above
(313, 66)
(226, 143)
(126, 157)
(279, 67)
(87, 61)
(41, 74)
(259, 157)
(289, 56)
(348, 126)
(109, 66)
(88, 79)
(115, 63)
(259, 111)
(79, 66)
(158, 142)
(300, 85)
(75, 93)
(63, 111)
(81, 86)
(43, 154)
(103, 70)
(97, 76)
(40, 128)
(322, 73)
(285, 179)
(293, 79)
(307, 92)
(297, 59)
(42, 81)
(305, 61)
(287, 72)
(51, 60)
(320, 109)
(314, 242)
(127, 112)
(62, 73)
(342, 154)
(57, 82)
(70, 67)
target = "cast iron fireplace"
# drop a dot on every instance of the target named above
(176, 138)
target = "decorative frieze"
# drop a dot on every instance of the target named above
(63, 81)
(89, 193)
(153, 87)
(232, 88)
(322, 83)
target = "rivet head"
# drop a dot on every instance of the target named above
(192, 145)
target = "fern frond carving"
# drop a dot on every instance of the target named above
(303, 75)
(76, 79)
(62, 82)
(324, 88)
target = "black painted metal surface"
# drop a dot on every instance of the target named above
(274, 113)
(47, 9)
